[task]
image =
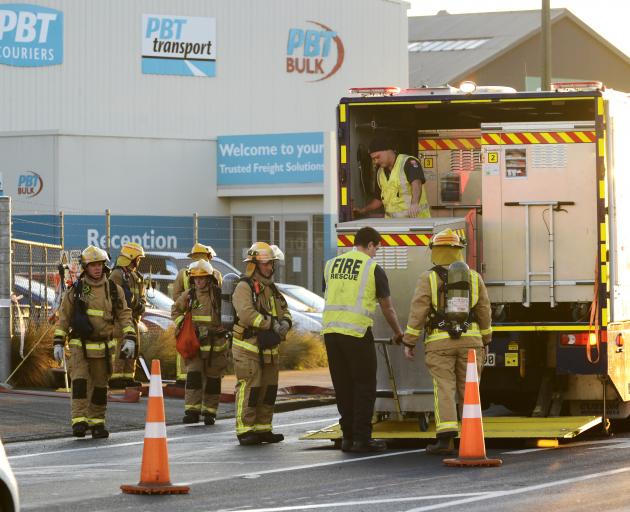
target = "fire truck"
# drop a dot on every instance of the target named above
(538, 184)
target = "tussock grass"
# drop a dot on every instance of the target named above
(160, 346)
(35, 370)
(302, 350)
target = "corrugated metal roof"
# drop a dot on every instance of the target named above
(503, 29)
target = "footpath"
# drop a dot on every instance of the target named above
(35, 414)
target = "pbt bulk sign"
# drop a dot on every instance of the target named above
(178, 45)
(30, 35)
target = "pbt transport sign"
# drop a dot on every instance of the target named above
(178, 45)
(30, 35)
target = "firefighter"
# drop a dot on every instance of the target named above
(206, 369)
(182, 283)
(263, 322)
(400, 182)
(354, 285)
(87, 315)
(447, 343)
(126, 275)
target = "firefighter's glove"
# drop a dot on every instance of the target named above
(281, 328)
(128, 349)
(58, 352)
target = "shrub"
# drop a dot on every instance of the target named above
(160, 345)
(35, 370)
(302, 350)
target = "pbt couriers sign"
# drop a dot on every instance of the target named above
(30, 35)
(178, 45)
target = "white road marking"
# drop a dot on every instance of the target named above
(255, 474)
(134, 443)
(360, 502)
(624, 442)
(522, 490)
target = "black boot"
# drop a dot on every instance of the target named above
(209, 419)
(249, 439)
(99, 432)
(270, 437)
(346, 444)
(445, 445)
(191, 417)
(117, 383)
(371, 445)
(79, 429)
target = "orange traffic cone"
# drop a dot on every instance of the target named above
(472, 447)
(154, 476)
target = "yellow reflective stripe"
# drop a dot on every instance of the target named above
(208, 409)
(568, 328)
(474, 278)
(258, 320)
(96, 421)
(196, 407)
(436, 405)
(436, 334)
(434, 289)
(251, 347)
(447, 425)
(485, 332)
(79, 419)
(92, 345)
(412, 331)
(219, 348)
(241, 428)
(179, 319)
(95, 312)
(202, 318)
(262, 428)
(117, 375)
(60, 332)
(129, 329)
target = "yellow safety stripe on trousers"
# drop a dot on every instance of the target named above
(436, 405)
(95, 312)
(195, 407)
(79, 419)
(437, 334)
(262, 428)
(179, 319)
(485, 332)
(258, 320)
(240, 399)
(129, 329)
(181, 368)
(96, 421)
(60, 332)
(202, 318)
(412, 331)
(447, 426)
(252, 348)
(216, 348)
(92, 345)
(211, 410)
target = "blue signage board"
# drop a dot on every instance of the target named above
(284, 158)
(30, 35)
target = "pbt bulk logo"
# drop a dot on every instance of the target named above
(317, 52)
(30, 35)
(29, 184)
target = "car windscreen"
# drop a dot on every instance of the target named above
(304, 295)
(159, 300)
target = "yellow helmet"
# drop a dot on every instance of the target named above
(261, 251)
(129, 252)
(93, 254)
(202, 250)
(446, 238)
(200, 268)
(277, 252)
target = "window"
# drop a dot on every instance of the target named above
(446, 45)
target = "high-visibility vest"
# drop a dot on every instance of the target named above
(350, 294)
(473, 330)
(396, 191)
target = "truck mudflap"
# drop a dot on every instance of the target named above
(504, 427)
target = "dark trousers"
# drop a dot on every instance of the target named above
(352, 364)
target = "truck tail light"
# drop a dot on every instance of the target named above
(582, 339)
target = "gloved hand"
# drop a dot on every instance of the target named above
(281, 328)
(58, 352)
(128, 349)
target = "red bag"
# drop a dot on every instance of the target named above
(187, 341)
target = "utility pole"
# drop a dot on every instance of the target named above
(545, 84)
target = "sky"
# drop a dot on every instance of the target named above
(607, 17)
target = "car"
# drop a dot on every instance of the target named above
(9, 496)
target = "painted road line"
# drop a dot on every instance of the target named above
(522, 490)
(360, 502)
(134, 443)
(623, 441)
(257, 474)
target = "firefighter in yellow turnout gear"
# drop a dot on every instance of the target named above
(263, 322)
(205, 370)
(436, 300)
(182, 283)
(88, 312)
(126, 276)
(400, 182)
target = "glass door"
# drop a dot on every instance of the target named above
(298, 251)
(262, 232)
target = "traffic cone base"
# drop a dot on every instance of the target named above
(472, 447)
(154, 475)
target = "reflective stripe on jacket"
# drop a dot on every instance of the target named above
(396, 191)
(350, 294)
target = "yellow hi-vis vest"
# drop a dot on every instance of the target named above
(396, 191)
(350, 294)
(473, 330)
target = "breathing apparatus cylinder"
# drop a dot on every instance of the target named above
(457, 304)
(228, 314)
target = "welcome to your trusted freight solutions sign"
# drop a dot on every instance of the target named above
(271, 159)
(30, 35)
